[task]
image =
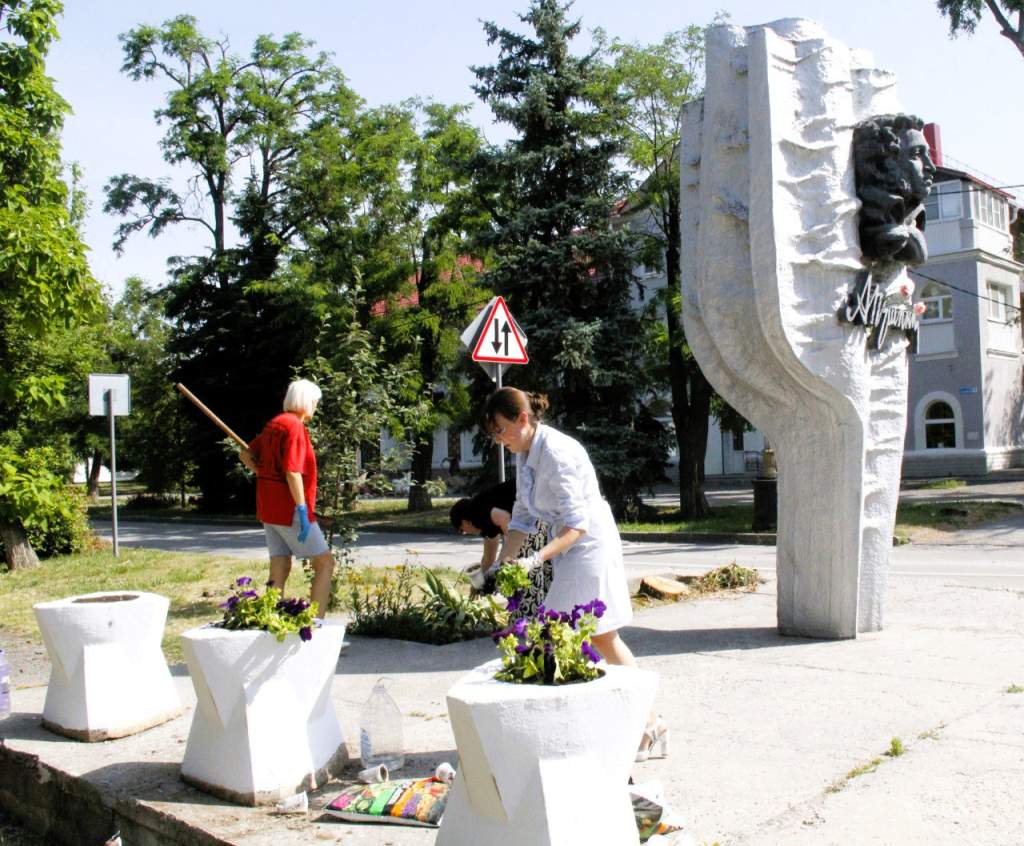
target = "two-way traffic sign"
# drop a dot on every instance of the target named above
(500, 340)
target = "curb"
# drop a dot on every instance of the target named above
(733, 538)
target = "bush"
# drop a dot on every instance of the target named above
(67, 530)
(35, 497)
(398, 606)
(150, 502)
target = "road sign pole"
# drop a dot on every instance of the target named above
(109, 399)
(501, 449)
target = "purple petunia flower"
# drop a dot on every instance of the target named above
(590, 652)
(248, 594)
(306, 633)
(519, 627)
(514, 601)
(243, 581)
(523, 648)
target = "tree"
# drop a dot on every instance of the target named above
(235, 342)
(645, 87)
(442, 291)
(45, 283)
(964, 15)
(563, 266)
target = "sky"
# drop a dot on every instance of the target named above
(394, 49)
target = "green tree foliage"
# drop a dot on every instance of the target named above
(151, 440)
(964, 15)
(424, 316)
(645, 87)
(239, 126)
(45, 283)
(561, 261)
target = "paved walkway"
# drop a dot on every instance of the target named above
(768, 733)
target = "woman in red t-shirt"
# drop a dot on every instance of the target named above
(282, 458)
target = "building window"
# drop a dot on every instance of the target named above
(990, 209)
(998, 302)
(939, 426)
(737, 441)
(938, 303)
(945, 201)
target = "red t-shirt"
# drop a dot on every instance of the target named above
(283, 446)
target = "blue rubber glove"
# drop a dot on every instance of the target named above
(303, 515)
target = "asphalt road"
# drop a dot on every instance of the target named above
(989, 557)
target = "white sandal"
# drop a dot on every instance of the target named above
(655, 734)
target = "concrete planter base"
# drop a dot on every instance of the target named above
(264, 726)
(545, 766)
(109, 676)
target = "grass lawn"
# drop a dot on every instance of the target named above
(911, 518)
(195, 584)
(942, 485)
(915, 518)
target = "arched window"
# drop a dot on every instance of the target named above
(938, 303)
(939, 426)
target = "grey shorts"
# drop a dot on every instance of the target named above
(284, 540)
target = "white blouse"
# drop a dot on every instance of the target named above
(555, 482)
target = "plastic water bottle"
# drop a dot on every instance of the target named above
(5, 686)
(380, 730)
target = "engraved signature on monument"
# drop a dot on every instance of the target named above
(869, 305)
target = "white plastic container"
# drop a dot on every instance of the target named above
(380, 730)
(5, 686)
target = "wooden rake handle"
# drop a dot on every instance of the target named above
(217, 421)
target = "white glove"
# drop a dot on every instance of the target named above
(476, 576)
(530, 561)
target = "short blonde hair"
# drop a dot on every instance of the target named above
(302, 396)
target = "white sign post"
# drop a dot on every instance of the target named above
(110, 396)
(496, 341)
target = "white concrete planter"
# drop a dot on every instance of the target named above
(545, 766)
(264, 726)
(109, 676)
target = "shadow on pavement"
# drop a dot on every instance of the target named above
(647, 642)
(384, 656)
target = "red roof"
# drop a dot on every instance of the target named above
(380, 308)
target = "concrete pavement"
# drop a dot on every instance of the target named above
(767, 732)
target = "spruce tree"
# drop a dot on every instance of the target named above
(561, 261)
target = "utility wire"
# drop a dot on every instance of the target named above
(963, 290)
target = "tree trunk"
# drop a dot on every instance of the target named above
(422, 455)
(423, 452)
(691, 393)
(92, 488)
(692, 501)
(17, 550)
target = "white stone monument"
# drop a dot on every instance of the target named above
(264, 726)
(109, 677)
(545, 765)
(772, 255)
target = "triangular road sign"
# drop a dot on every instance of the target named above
(499, 341)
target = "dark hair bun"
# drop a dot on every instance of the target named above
(538, 404)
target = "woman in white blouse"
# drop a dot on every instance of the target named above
(556, 483)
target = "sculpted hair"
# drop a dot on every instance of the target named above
(886, 194)
(511, 402)
(302, 396)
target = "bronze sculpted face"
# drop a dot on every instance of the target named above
(894, 175)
